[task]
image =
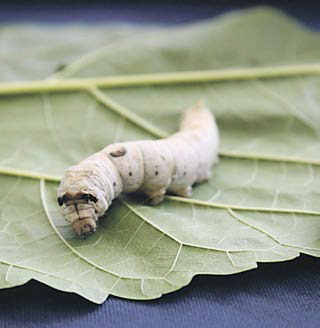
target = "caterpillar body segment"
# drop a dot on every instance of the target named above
(153, 167)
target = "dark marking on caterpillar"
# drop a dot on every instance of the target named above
(60, 202)
(130, 174)
(93, 198)
(76, 198)
(119, 152)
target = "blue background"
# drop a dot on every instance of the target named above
(274, 295)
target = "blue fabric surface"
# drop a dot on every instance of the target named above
(140, 11)
(275, 295)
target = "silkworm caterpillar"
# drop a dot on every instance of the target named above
(153, 167)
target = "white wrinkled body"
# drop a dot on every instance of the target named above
(172, 164)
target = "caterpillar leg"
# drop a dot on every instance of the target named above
(184, 192)
(204, 176)
(156, 197)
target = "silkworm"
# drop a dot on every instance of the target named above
(153, 167)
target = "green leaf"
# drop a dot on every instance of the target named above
(258, 70)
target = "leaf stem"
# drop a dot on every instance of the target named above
(273, 158)
(29, 174)
(130, 116)
(240, 208)
(183, 77)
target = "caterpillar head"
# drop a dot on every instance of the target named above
(80, 210)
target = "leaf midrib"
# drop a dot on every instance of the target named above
(163, 78)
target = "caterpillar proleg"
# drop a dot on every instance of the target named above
(153, 167)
